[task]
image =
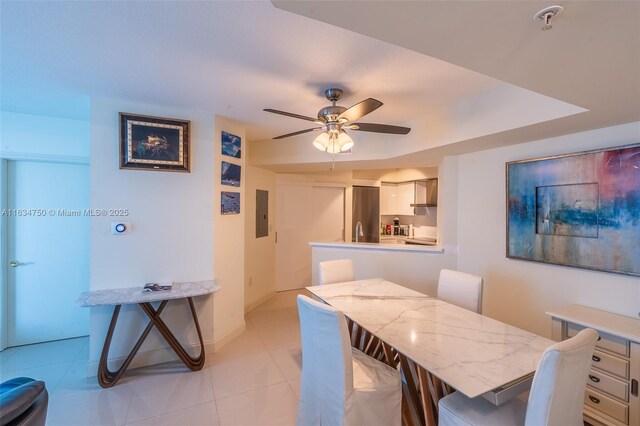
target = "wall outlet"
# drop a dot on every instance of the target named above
(250, 281)
(120, 228)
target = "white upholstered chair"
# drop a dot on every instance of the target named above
(461, 289)
(556, 396)
(336, 271)
(340, 385)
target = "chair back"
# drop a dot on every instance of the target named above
(327, 369)
(336, 271)
(557, 392)
(461, 289)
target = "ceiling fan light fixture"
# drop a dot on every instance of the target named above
(322, 141)
(334, 144)
(344, 141)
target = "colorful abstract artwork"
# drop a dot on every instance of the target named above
(580, 210)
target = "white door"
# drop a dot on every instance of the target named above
(48, 251)
(303, 214)
(328, 214)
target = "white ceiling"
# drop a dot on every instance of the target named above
(591, 58)
(236, 58)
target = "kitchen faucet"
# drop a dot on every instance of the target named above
(359, 234)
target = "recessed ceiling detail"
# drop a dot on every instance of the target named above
(450, 71)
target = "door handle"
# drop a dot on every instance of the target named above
(15, 263)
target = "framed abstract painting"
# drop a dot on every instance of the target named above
(154, 143)
(580, 210)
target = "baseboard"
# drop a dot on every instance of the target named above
(151, 357)
(260, 301)
(229, 336)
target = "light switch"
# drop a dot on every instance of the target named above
(120, 228)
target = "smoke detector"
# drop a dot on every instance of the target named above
(546, 15)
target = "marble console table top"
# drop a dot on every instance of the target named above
(473, 353)
(130, 295)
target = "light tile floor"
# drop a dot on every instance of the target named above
(254, 380)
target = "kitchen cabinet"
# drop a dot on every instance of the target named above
(388, 196)
(396, 199)
(404, 198)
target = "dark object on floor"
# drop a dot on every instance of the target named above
(23, 401)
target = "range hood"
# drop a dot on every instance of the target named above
(426, 193)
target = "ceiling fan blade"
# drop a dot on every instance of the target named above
(290, 114)
(379, 128)
(360, 109)
(297, 133)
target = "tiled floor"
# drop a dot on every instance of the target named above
(252, 381)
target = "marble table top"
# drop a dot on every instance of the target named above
(130, 295)
(473, 353)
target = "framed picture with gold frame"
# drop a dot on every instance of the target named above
(154, 143)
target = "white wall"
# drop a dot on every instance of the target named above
(228, 241)
(519, 292)
(417, 270)
(259, 255)
(171, 216)
(40, 137)
(3, 255)
(37, 138)
(448, 209)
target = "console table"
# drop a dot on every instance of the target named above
(134, 295)
(611, 397)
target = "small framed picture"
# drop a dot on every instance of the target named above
(230, 202)
(231, 145)
(230, 174)
(154, 143)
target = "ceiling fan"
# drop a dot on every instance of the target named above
(335, 120)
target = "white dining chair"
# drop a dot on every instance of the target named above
(336, 271)
(461, 289)
(556, 396)
(340, 385)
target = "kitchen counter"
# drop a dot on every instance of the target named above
(397, 247)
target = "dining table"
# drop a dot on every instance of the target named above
(438, 346)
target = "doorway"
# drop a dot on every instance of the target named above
(47, 251)
(304, 213)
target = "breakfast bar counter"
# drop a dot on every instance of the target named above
(380, 247)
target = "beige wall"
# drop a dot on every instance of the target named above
(397, 175)
(519, 292)
(229, 232)
(259, 254)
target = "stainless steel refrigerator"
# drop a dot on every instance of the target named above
(366, 209)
